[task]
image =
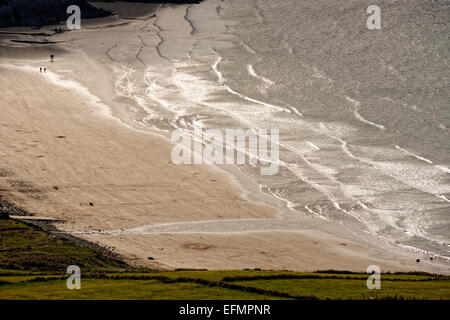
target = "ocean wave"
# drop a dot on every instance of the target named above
(356, 105)
(425, 252)
(313, 145)
(253, 73)
(266, 83)
(440, 196)
(240, 95)
(442, 168)
(414, 155)
(248, 48)
(297, 112)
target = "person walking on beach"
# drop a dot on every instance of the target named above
(40, 69)
(45, 70)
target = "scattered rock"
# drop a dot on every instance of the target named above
(7, 208)
(56, 187)
(91, 204)
(418, 260)
(150, 258)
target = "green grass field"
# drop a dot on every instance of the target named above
(33, 265)
(24, 247)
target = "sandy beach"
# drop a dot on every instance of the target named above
(67, 152)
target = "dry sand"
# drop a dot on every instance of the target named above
(110, 176)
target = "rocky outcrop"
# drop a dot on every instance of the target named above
(6, 209)
(36, 13)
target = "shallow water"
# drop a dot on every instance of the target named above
(363, 115)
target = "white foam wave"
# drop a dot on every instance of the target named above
(442, 168)
(240, 95)
(320, 215)
(266, 83)
(414, 155)
(248, 48)
(313, 145)
(297, 112)
(445, 169)
(356, 105)
(253, 73)
(425, 252)
(440, 196)
(289, 204)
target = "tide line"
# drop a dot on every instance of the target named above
(240, 95)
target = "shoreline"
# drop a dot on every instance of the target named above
(196, 248)
(203, 246)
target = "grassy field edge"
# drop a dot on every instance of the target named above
(33, 266)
